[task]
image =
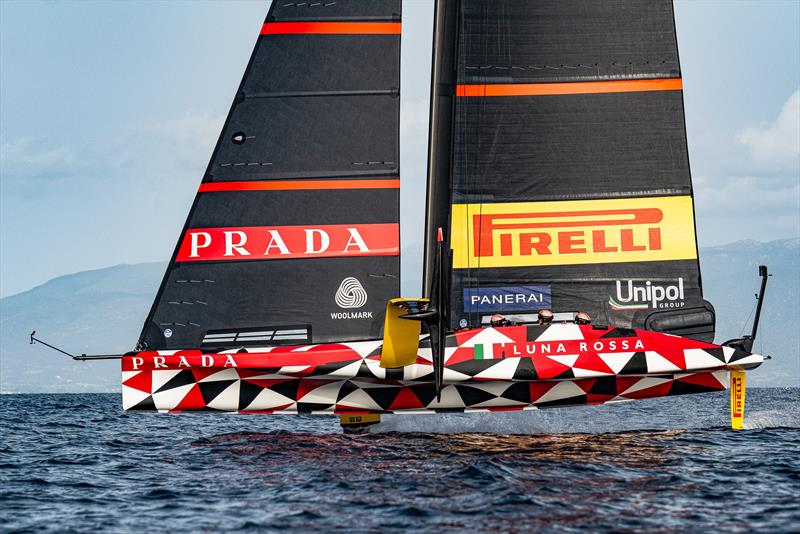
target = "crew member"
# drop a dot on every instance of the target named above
(582, 318)
(499, 320)
(545, 316)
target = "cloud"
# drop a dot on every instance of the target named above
(747, 184)
(779, 142)
(732, 208)
(187, 140)
(33, 158)
(145, 151)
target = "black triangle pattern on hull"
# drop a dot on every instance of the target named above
(347, 388)
(569, 401)
(525, 370)
(684, 388)
(287, 388)
(364, 371)
(619, 332)
(247, 393)
(604, 386)
(394, 374)
(183, 378)
(383, 396)
(426, 393)
(330, 368)
(473, 395)
(210, 390)
(472, 367)
(637, 365)
(146, 405)
(566, 375)
(738, 355)
(519, 392)
(718, 353)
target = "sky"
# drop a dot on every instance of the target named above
(109, 112)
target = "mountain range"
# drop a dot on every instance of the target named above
(102, 311)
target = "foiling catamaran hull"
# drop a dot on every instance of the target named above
(486, 369)
(558, 179)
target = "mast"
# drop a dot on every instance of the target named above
(443, 72)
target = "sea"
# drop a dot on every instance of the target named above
(78, 463)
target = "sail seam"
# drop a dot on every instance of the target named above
(285, 94)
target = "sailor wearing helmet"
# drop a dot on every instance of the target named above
(545, 317)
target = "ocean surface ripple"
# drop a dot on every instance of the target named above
(73, 463)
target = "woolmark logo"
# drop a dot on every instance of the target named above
(641, 296)
(351, 294)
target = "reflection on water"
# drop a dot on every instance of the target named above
(77, 462)
(627, 449)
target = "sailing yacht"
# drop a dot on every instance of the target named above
(558, 179)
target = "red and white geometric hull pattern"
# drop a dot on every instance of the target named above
(489, 369)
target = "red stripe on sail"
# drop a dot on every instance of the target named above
(569, 88)
(296, 185)
(289, 242)
(331, 28)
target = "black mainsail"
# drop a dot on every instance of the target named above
(293, 236)
(559, 163)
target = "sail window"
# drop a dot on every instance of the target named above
(266, 336)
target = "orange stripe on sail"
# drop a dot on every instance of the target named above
(569, 88)
(341, 28)
(298, 185)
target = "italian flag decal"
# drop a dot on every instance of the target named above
(483, 343)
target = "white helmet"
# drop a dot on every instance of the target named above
(582, 318)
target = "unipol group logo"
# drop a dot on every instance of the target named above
(351, 294)
(632, 295)
(283, 242)
(523, 234)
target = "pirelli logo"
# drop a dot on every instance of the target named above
(523, 234)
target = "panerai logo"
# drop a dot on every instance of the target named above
(643, 295)
(351, 294)
(507, 298)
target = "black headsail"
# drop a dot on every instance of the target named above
(294, 234)
(567, 168)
